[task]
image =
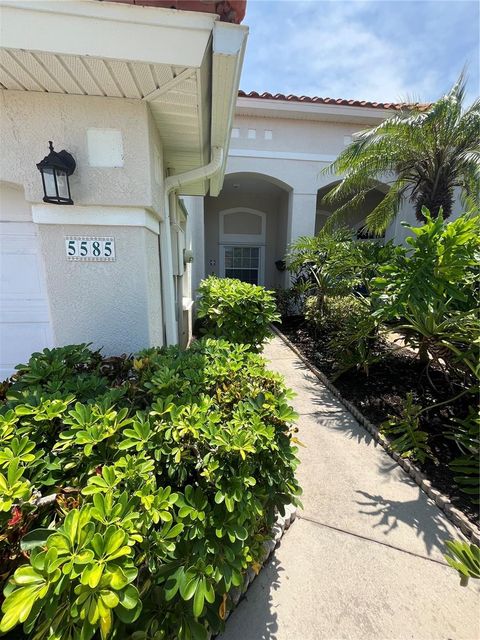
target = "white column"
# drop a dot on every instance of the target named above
(302, 209)
(397, 232)
(301, 215)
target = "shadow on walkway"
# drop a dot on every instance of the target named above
(348, 425)
(261, 622)
(420, 515)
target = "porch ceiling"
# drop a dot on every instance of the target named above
(170, 67)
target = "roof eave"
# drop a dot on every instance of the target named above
(311, 111)
(209, 51)
(107, 30)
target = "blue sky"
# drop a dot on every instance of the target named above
(384, 50)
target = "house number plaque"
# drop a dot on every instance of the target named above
(88, 249)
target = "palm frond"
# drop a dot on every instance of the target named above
(428, 153)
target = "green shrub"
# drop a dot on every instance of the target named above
(348, 322)
(465, 559)
(430, 291)
(288, 301)
(404, 433)
(337, 313)
(236, 311)
(136, 492)
(335, 264)
(466, 434)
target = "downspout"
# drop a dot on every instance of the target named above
(171, 184)
(201, 173)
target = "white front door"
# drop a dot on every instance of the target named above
(24, 314)
(245, 263)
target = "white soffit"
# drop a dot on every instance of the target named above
(80, 75)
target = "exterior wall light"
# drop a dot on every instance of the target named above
(55, 169)
(187, 256)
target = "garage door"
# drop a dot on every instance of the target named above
(24, 313)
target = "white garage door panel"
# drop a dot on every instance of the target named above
(24, 314)
(30, 311)
(14, 265)
(19, 341)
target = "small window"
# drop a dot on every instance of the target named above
(235, 133)
(252, 134)
(242, 263)
(268, 135)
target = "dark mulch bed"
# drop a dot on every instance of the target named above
(381, 393)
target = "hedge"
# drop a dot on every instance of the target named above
(135, 492)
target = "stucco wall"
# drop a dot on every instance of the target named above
(292, 135)
(157, 171)
(117, 305)
(114, 304)
(13, 207)
(28, 120)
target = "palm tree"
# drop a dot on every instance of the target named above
(423, 153)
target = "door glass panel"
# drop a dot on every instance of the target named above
(242, 263)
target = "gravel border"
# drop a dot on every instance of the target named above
(443, 502)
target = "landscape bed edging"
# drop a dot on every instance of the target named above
(443, 502)
(236, 594)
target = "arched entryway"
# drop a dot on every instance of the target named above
(356, 219)
(246, 229)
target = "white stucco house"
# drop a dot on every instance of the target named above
(142, 98)
(275, 181)
(177, 174)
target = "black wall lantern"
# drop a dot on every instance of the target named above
(55, 169)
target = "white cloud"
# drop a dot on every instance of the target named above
(358, 49)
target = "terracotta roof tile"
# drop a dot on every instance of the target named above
(397, 106)
(228, 10)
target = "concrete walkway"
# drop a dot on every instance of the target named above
(364, 559)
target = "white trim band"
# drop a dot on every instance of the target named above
(281, 155)
(106, 216)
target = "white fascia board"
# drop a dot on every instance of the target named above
(229, 42)
(310, 111)
(107, 216)
(107, 30)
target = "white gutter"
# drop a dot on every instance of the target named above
(201, 173)
(172, 183)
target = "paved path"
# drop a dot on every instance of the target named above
(363, 561)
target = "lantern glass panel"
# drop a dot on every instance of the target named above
(49, 178)
(62, 184)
